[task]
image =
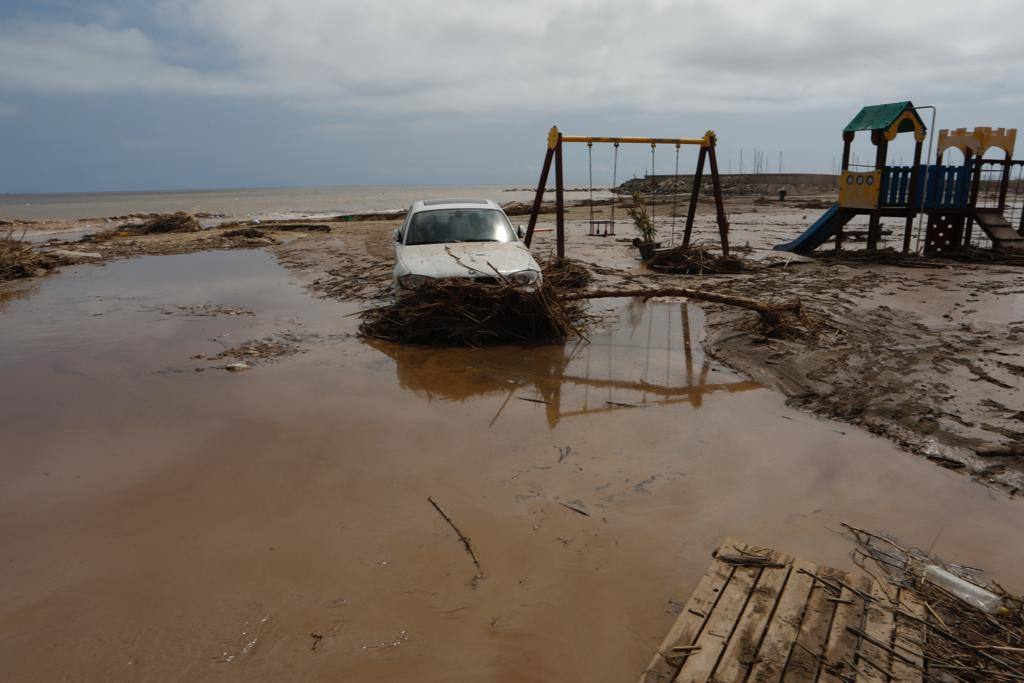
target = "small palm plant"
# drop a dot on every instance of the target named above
(641, 221)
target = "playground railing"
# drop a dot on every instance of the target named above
(947, 187)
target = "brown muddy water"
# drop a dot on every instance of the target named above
(163, 523)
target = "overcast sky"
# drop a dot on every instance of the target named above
(170, 94)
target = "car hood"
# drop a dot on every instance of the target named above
(461, 259)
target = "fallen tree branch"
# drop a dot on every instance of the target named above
(781, 317)
(462, 537)
(698, 294)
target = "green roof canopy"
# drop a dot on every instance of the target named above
(881, 116)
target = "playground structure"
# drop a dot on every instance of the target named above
(953, 198)
(555, 142)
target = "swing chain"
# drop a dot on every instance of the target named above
(675, 198)
(654, 182)
(615, 194)
(590, 173)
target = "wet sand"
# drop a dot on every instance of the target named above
(163, 518)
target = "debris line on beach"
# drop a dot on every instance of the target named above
(157, 225)
(20, 259)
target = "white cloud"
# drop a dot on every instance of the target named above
(76, 58)
(539, 55)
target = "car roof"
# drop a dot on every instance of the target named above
(431, 204)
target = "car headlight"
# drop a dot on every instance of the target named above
(412, 281)
(525, 277)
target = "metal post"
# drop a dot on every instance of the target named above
(1004, 184)
(1020, 228)
(559, 201)
(927, 170)
(697, 181)
(911, 192)
(539, 197)
(875, 222)
(723, 223)
(974, 160)
(847, 140)
(844, 166)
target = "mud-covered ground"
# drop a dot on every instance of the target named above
(931, 357)
(163, 517)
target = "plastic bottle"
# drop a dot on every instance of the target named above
(973, 595)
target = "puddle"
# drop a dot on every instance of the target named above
(158, 522)
(643, 356)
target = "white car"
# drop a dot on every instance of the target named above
(461, 238)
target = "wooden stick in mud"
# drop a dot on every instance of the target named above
(698, 294)
(462, 537)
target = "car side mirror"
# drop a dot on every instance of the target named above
(397, 234)
(520, 231)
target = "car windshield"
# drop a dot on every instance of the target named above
(459, 225)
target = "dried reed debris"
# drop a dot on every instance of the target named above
(960, 642)
(157, 225)
(20, 259)
(566, 273)
(695, 260)
(461, 312)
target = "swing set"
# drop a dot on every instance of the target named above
(554, 154)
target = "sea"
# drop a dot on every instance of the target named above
(252, 203)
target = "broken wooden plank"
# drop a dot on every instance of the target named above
(809, 646)
(908, 639)
(665, 663)
(842, 644)
(784, 625)
(700, 666)
(873, 660)
(741, 652)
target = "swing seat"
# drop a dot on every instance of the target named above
(597, 225)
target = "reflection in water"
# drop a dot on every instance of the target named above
(15, 291)
(649, 355)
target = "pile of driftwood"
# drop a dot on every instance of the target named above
(160, 224)
(460, 312)
(694, 260)
(961, 641)
(565, 273)
(19, 259)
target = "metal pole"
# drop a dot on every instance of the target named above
(539, 197)
(654, 183)
(698, 178)
(924, 179)
(723, 222)
(559, 201)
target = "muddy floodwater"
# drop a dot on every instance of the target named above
(163, 518)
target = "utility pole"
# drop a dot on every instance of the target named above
(780, 161)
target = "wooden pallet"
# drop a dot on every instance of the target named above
(789, 620)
